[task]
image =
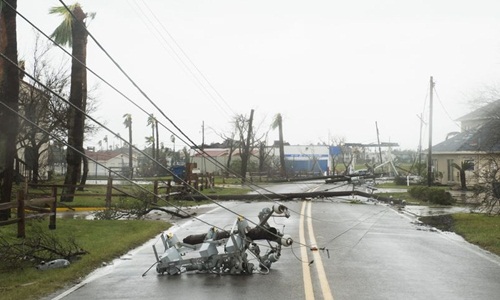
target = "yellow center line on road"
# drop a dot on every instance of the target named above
(318, 263)
(306, 272)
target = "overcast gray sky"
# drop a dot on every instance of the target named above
(331, 68)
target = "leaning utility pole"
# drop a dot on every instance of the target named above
(429, 155)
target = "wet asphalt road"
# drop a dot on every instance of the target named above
(364, 252)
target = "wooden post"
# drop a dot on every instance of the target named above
(109, 190)
(155, 191)
(21, 224)
(53, 210)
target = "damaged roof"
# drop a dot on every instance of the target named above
(483, 139)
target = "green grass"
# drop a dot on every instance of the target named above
(479, 229)
(103, 239)
(95, 196)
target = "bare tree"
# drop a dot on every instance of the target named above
(483, 95)
(487, 174)
(488, 189)
(247, 139)
(264, 157)
(341, 153)
(44, 115)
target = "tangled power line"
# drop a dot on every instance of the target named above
(180, 135)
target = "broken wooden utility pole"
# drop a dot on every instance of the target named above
(246, 156)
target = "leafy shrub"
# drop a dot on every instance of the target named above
(400, 180)
(431, 195)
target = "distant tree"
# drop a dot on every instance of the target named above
(483, 95)
(150, 141)
(157, 139)
(128, 124)
(105, 139)
(120, 141)
(245, 131)
(230, 144)
(187, 158)
(152, 122)
(174, 157)
(9, 94)
(341, 154)
(264, 157)
(346, 157)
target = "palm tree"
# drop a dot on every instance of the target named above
(128, 124)
(152, 122)
(157, 139)
(9, 95)
(172, 139)
(150, 140)
(278, 123)
(106, 141)
(72, 32)
(464, 166)
(119, 138)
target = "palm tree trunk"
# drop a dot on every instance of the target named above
(153, 144)
(9, 95)
(157, 141)
(463, 183)
(85, 160)
(85, 173)
(130, 161)
(75, 120)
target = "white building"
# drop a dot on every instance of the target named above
(115, 160)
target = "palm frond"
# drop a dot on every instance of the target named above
(62, 34)
(277, 121)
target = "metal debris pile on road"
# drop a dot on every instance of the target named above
(225, 252)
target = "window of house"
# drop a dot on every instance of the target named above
(450, 169)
